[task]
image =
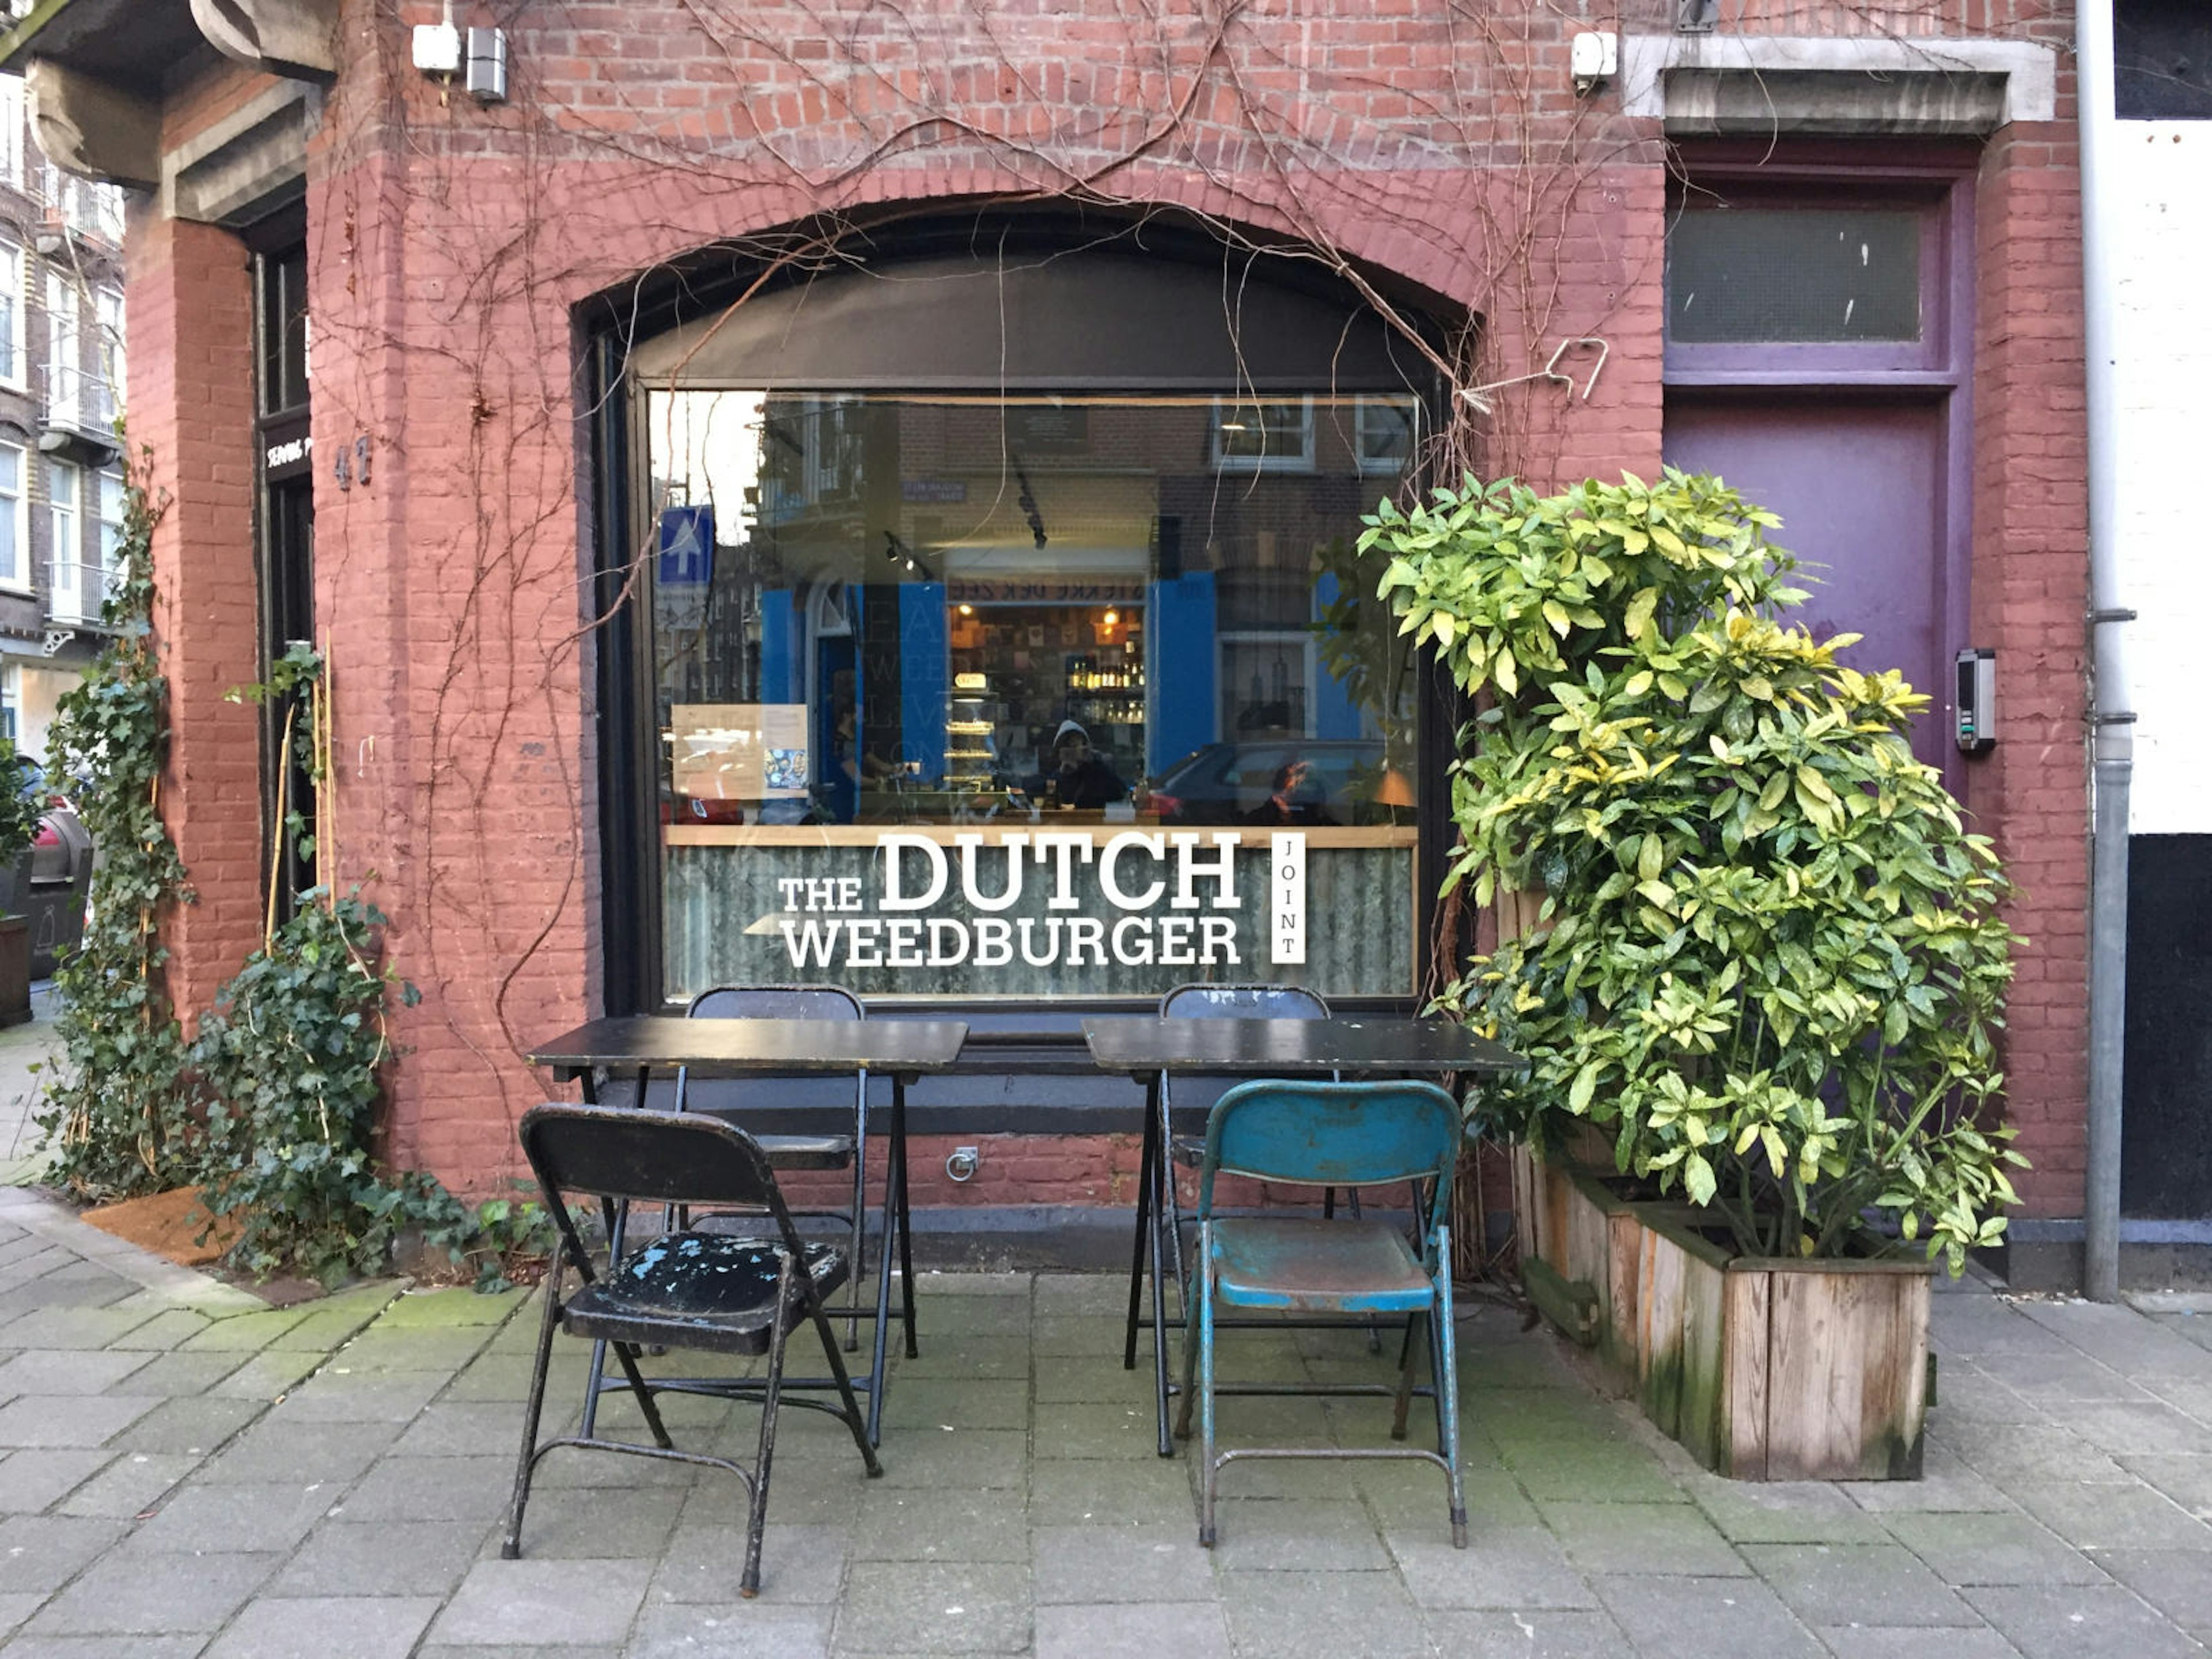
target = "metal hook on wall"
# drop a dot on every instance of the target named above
(1551, 371)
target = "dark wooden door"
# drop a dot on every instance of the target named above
(1861, 490)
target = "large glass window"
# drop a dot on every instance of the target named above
(1011, 697)
(15, 519)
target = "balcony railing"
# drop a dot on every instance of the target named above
(78, 589)
(79, 404)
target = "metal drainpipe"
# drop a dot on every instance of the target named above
(2112, 718)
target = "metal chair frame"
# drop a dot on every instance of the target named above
(1159, 1204)
(618, 1156)
(789, 1152)
(1315, 1134)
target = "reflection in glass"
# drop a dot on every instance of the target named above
(1015, 614)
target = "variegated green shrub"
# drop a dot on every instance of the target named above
(1771, 965)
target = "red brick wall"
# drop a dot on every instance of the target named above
(2030, 600)
(190, 356)
(451, 243)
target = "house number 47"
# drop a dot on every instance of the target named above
(352, 462)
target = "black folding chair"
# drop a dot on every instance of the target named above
(1159, 1205)
(714, 1292)
(796, 1152)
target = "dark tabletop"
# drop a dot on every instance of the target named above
(733, 1047)
(1259, 1047)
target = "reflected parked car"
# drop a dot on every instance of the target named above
(1233, 782)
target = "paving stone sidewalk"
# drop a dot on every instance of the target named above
(184, 1472)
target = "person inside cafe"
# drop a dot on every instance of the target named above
(1077, 777)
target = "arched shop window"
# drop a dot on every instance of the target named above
(1003, 613)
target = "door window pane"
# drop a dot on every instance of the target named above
(1783, 276)
(961, 624)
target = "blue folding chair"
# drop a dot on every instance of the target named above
(1344, 1134)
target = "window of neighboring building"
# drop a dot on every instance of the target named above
(107, 304)
(11, 703)
(11, 314)
(111, 532)
(65, 544)
(1388, 428)
(11, 130)
(65, 367)
(1264, 435)
(15, 519)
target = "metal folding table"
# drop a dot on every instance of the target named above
(1148, 1049)
(759, 1048)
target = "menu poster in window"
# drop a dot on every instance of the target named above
(739, 750)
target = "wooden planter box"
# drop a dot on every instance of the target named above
(1764, 1369)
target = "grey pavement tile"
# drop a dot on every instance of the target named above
(449, 1305)
(386, 1558)
(1515, 1570)
(964, 1458)
(933, 1606)
(1094, 1336)
(2118, 1335)
(2081, 1622)
(69, 1371)
(106, 1646)
(278, 1448)
(524, 1650)
(1993, 1549)
(392, 1397)
(1857, 1583)
(1064, 1379)
(38, 1479)
(1535, 1633)
(529, 1602)
(189, 1424)
(1091, 1566)
(1705, 1618)
(1099, 1428)
(799, 1565)
(376, 1351)
(16, 1607)
(2106, 1517)
(455, 1430)
(1296, 1534)
(1071, 1492)
(583, 1523)
(1189, 1629)
(1916, 1641)
(932, 1402)
(1785, 1511)
(350, 1627)
(127, 1593)
(1945, 1486)
(1634, 1538)
(432, 1489)
(1357, 1615)
(762, 1629)
(247, 1333)
(2144, 1428)
(2178, 1583)
(43, 1419)
(1072, 1293)
(905, 1525)
(249, 1518)
(39, 1553)
(2009, 1454)
(165, 1330)
(128, 1486)
(1606, 1472)
(964, 1315)
(260, 1375)
(992, 1357)
(56, 1328)
(174, 1375)
(2054, 1382)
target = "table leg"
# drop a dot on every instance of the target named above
(883, 1260)
(1146, 1161)
(1163, 1173)
(905, 1214)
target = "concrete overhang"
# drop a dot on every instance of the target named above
(1708, 84)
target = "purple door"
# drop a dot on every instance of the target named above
(1859, 487)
